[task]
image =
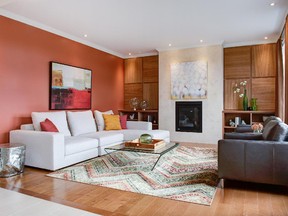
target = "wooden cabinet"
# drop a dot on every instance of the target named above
(142, 115)
(255, 64)
(264, 60)
(141, 80)
(133, 70)
(249, 117)
(264, 89)
(237, 62)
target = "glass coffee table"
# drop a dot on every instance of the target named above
(161, 151)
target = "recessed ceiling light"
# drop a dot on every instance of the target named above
(85, 35)
(265, 38)
(169, 45)
(201, 41)
(129, 54)
(272, 4)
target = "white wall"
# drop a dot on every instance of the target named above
(212, 106)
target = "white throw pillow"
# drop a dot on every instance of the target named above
(58, 119)
(81, 122)
(100, 120)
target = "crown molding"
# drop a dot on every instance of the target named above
(249, 43)
(220, 43)
(57, 32)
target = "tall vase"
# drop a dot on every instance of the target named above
(245, 100)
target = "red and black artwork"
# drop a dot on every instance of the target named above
(70, 87)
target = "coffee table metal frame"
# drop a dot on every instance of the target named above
(161, 151)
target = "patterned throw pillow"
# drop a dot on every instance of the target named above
(112, 122)
(48, 126)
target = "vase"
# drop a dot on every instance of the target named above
(245, 100)
(254, 104)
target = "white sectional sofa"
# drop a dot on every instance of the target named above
(79, 138)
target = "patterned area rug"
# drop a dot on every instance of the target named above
(185, 173)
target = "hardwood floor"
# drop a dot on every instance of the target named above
(237, 198)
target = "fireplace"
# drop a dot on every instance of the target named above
(189, 116)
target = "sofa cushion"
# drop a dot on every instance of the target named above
(48, 126)
(100, 120)
(112, 122)
(74, 145)
(81, 122)
(279, 132)
(271, 118)
(58, 118)
(268, 132)
(135, 134)
(105, 137)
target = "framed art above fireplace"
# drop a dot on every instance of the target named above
(70, 87)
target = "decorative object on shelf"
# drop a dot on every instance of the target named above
(237, 90)
(144, 105)
(245, 100)
(243, 122)
(145, 138)
(149, 118)
(254, 104)
(237, 121)
(134, 103)
(257, 127)
(231, 123)
(132, 116)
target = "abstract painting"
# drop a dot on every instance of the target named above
(70, 87)
(189, 80)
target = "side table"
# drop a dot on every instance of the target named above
(12, 157)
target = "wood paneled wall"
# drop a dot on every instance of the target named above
(255, 64)
(141, 80)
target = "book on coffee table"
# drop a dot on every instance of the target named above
(156, 144)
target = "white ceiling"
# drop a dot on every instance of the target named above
(143, 27)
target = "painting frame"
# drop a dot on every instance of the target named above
(70, 87)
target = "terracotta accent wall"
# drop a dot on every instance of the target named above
(25, 53)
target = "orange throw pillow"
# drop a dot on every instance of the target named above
(112, 122)
(48, 126)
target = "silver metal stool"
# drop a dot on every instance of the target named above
(12, 157)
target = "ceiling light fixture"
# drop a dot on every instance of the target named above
(272, 4)
(265, 38)
(129, 54)
(201, 41)
(169, 45)
(85, 35)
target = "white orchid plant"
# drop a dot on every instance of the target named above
(237, 88)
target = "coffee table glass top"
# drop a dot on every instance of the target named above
(163, 150)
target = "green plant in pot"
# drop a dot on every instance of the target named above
(145, 139)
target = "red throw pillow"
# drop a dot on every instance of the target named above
(48, 126)
(123, 121)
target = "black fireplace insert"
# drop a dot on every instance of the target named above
(189, 116)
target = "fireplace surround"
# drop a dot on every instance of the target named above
(188, 116)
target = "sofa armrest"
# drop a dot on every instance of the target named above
(243, 136)
(139, 125)
(27, 127)
(43, 149)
